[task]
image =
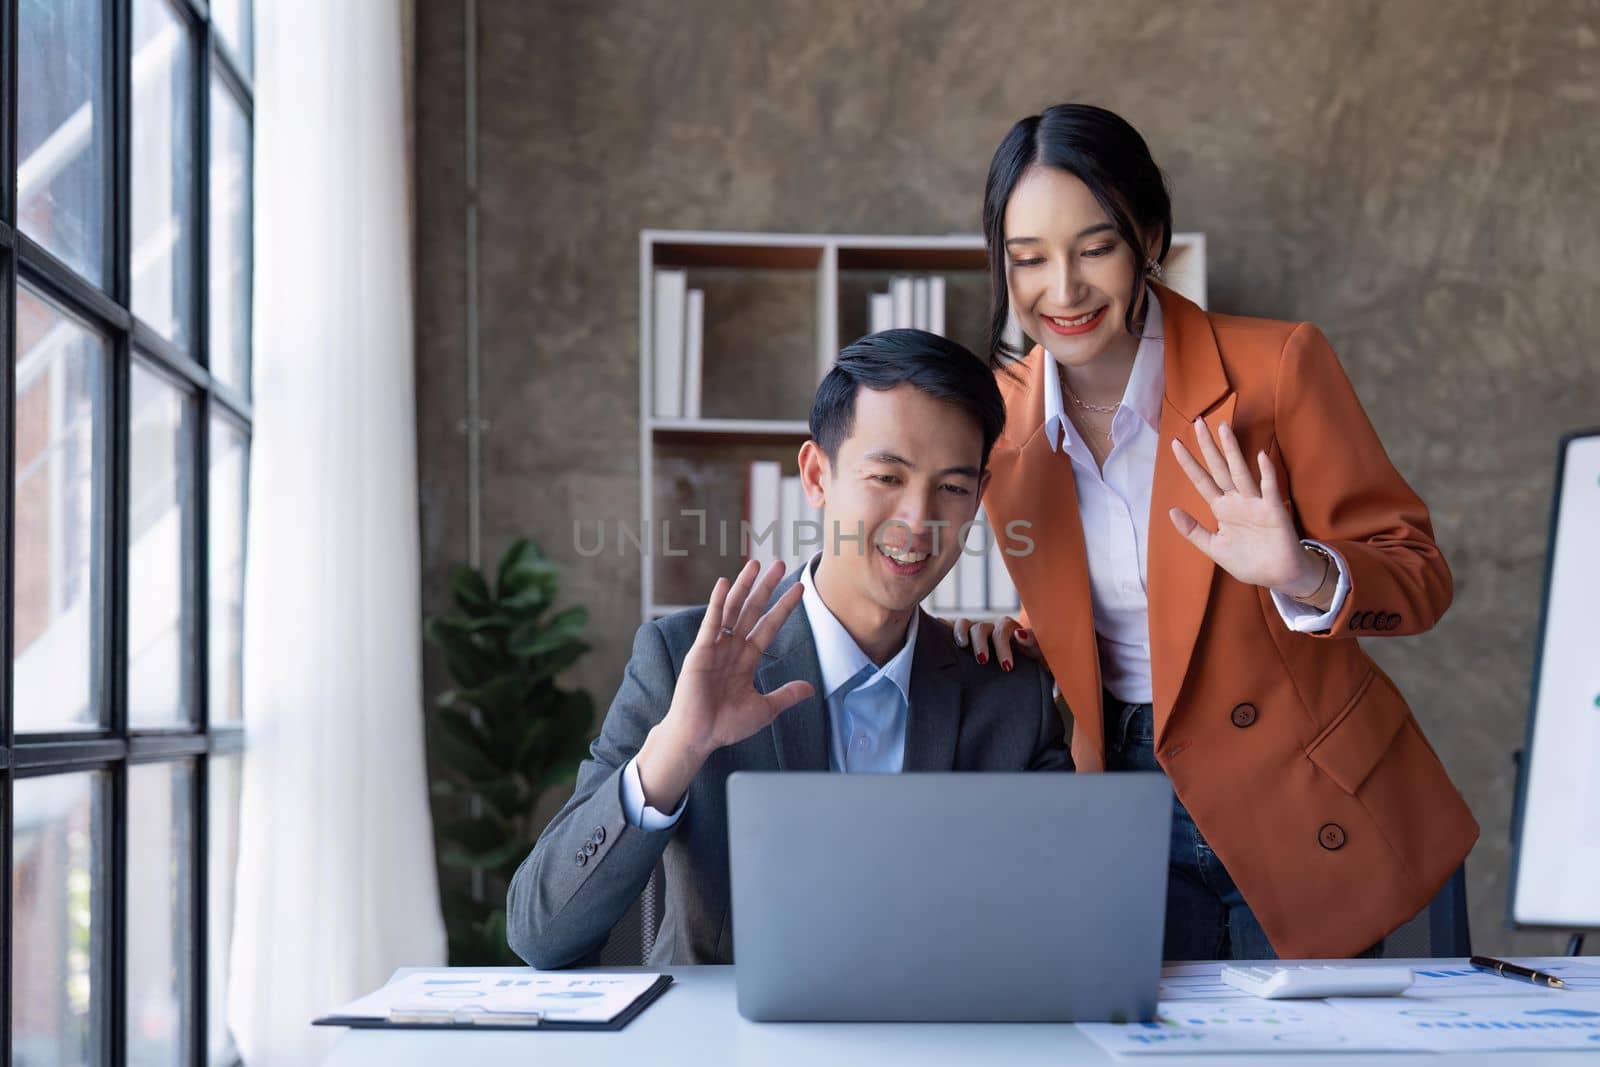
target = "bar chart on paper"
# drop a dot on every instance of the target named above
(1579, 976)
(1245, 1025)
(1484, 1024)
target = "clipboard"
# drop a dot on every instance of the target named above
(481, 1019)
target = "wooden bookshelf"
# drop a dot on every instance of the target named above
(829, 268)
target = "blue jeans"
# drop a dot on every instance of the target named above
(1207, 918)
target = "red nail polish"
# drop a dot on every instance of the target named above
(1005, 664)
(1022, 634)
(983, 657)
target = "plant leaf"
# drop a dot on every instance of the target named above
(551, 665)
(522, 567)
(454, 855)
(533, 638)
(461, 748)
(470, 591)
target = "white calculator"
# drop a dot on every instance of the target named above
(1283, 983)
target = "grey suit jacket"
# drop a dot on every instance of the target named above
(566, 896)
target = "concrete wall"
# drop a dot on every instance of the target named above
(1415, 177)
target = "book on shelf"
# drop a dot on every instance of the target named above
(801, 525)
(900, 292)
(973, 575)
(977, 584)
(1002, 591)
(694, 317)
(678, 345)
(911, 303)
(762, 503)
(880, 312)
(946, 596)
(936, 305)
(670, 290)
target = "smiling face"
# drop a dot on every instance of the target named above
(909, 462)
(1069, 274)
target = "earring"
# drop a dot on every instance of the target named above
(1154, 269)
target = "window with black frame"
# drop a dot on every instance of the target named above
(125, 250)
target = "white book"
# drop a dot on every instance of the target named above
(974, 571)
(947, 594)
(880, 312)
(793, 509)
(694, 315)
(668, 366)
(936, 305)
(760, 541)
(900, 290)
(1002, 591)
(919, 303)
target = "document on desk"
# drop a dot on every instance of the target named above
(1560, 1020)
(1247, 1025)
(453, 996)
(1195, 981)
(1460, 980)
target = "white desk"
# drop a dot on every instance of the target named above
(696, 1024)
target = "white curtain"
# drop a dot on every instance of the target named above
(336, 880)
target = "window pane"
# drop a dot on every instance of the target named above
(59, 938)
(163, 148)
(230, 455)
(62, 130)
(222, 857)
(230, 240)
(60, 518)
(232, 20)
(160, 548)
(160, 913)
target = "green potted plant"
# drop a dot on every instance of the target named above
(503, 735)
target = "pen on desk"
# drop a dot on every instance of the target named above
(1511, 970)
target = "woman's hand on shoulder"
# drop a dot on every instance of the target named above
(1001, 639)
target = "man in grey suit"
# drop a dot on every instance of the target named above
(835, 669)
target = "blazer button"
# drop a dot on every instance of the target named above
(1331, 836)
(582, 858)
(590, 848)
(1244, 715)
(599, 835)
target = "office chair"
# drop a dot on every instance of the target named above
(1440, 929)
(630, 941)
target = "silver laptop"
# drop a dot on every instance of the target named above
(948, 897)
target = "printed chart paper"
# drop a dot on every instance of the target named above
(1482, 1024)
(577, 998)
(1195, 981)
(1463, 981)
(1248, 1025)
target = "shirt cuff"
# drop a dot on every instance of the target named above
(642, 816)
(1305, 619)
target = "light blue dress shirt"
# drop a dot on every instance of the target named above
(867, 705)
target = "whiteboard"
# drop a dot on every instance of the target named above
(1555, 864)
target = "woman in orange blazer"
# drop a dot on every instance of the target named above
(1201, 521)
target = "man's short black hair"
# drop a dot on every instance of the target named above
(938, 366)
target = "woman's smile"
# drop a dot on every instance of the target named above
(1072, 327)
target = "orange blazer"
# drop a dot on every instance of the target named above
(1298, 758)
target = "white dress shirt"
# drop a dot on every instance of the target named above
(867, 705)
(1114, 507)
